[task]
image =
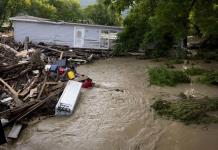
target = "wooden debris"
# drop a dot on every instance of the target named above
(26, 42)
(42, 88)
(12, 91)
(15, 131)
(47, 48)
(61, 56)
(7, 47)
(33, 93)
(28, 87)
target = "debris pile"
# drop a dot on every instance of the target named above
(33, 76)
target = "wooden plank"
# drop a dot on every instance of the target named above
(36, 106)
(28, 87)
(43, 86)
(7, 47)
(15, 131)
(61, 55)
(52, 83)
(26, 42)
(47, 48)
(2, 135)
(12, 91)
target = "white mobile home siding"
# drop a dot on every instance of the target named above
(73, 35)
(47, 33)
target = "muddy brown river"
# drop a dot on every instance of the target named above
(116, 115)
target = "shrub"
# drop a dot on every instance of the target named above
(176, 61)
(170, 63)
(195, 71)
(162, 76)
(209, 78)
(188, 111)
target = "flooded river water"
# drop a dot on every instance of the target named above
(116, 115)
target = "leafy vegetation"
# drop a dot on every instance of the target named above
(66, 10)
(101, 14)
(162, 76)
(176, 61)
(187, 111)
(209, 78)
(170, 62)
(158, 25)
(195, 71)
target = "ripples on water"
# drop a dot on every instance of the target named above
(116, 115)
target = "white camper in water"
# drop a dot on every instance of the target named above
(74, 35)
(68, 99)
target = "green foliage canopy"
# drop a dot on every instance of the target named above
(157, 25)
(101, 14)
(66, 10)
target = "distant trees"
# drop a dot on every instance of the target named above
(66, 10)
(102, 14)
(3, 12)
(157, 25)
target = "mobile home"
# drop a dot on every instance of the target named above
(75, 35)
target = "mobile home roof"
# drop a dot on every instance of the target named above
(43, 20)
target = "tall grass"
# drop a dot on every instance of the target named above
(162, 76)
(187, 111)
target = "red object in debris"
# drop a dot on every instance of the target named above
(61, 70)
(87, 83)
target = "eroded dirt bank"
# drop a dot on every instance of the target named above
(116, 115)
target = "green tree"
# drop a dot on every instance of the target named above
(39, 8)
(205, 16)
(3, 11)
(167, 23)
(101, 14)
(67, 10)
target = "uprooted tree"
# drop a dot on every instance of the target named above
(158, 25)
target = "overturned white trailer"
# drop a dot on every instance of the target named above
(75, 35)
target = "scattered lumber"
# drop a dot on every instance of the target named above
(33, 76)
(12, 91)
(8, 48)
(15, 131)
(47, 48)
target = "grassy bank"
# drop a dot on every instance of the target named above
(187, 111)
(162, 76)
